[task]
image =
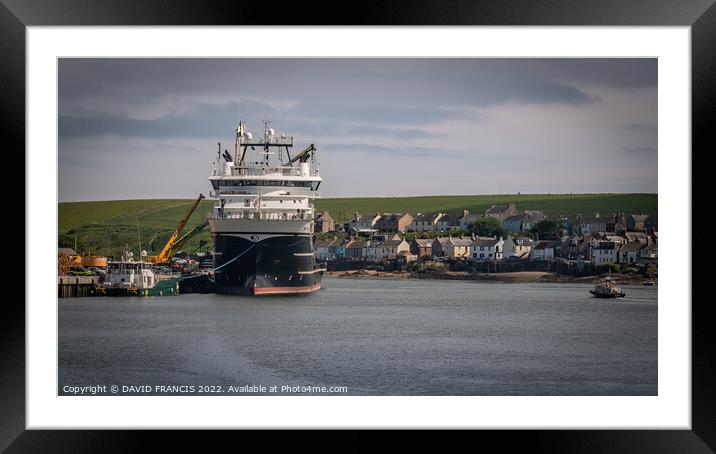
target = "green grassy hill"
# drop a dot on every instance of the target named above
(103, 226)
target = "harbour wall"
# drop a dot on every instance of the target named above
(76, 286)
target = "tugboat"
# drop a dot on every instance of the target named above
(607, 289)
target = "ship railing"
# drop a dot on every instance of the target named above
(272, 216)
(270, 140)
(258, 170)
(233, 192)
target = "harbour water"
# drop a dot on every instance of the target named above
(365, 337)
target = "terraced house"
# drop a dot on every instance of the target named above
(487, 248)
(324, 223)
(394, 222)
(519, 246)
(457, 247)
(501, 212)
(421, 247)
(364, 222)
(425, 222)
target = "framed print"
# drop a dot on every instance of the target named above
(364, 225)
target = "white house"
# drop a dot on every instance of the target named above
(372, 250)
(518, 246)
(543, 250)
(390, 249)
(425, 222)
(605, 252)
(487, 248)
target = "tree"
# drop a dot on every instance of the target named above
(547, 229)
(486, 226)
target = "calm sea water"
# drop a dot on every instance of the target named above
(372, 337)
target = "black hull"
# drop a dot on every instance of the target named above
(607, 295)
(275, 264)
(196, 283)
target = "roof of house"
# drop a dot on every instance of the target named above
(532, 216)
(393, 243)
(365, 217)
(323, 215)
(423, 242)
(461, 242)
(442, 240)
(485, 241)
(392, 217)
(426, 217)
(634, 246)
(497, 209)
(353, 244)
(66, 251)
(607, 245)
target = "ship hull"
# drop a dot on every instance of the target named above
(607, 295)
(264, 264)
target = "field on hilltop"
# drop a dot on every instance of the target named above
(106, 227)
(552, 204)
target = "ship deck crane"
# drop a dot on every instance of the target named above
(166, 252)
(304, 155)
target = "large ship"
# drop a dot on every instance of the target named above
(262, 222)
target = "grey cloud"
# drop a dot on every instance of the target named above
(374, 149)
(487, 124)
(641, 149)
(637, 127)
(207, 120)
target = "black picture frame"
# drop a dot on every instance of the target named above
(16, 15)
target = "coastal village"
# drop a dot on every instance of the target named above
(502, 238)
(502, 243)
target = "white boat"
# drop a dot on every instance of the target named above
(129, 277)
(607, 289)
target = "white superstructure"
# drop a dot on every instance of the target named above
(264, 194)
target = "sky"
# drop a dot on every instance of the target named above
(148, 128)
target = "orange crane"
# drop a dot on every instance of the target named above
(165, 254)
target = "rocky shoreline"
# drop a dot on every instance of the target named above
(510, 277)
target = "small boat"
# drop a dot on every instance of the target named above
(128, 277)
(651, 283)
(607, 289)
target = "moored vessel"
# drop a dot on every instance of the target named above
(127, 277)
(607, 289)
(262, 222)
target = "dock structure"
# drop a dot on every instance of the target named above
(76, 286)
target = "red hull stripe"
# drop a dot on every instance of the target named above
(277, 290)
